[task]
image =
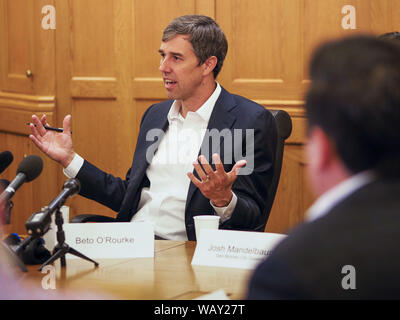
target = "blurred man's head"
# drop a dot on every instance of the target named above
(353, 109)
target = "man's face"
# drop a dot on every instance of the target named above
(180, 68)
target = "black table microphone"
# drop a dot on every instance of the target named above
(28, 170)
(6, 158)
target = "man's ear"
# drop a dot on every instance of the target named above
(209, 65)
(325, 169)
(321, 150)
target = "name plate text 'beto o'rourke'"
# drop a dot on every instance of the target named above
(114, 240)
(234, 249)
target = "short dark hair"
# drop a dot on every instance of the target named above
(390, 36)
(206, 37)
(355, 98)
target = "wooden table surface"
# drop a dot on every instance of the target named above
(169, 275)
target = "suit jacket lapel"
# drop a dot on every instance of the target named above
(221, 118)
(156, 120)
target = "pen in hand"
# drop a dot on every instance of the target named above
(49, 128)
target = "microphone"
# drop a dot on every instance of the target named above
(8, 205)
(70, 187)
(6, 158)
(28, 170)
(39, 223)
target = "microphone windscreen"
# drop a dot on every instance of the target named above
(31, 166)
(6, 158)
(72, 184)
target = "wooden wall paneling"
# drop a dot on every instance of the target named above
(394, 8)
(321, 21)
(98, 92)
(17, 38)
(44, 48)
(293, 196)
(92, 41)
(4, 45)
(384, 16)
(15, 116)
(265, 65)
(147, 34)
(23, 199)
(98, 139)
(261, 56)
(147, 80)
(63, 65)
(33, 195)
(205, 7)
(92, 88)
(97, 132)
(63, 71)
(26, 46)
(123, 47)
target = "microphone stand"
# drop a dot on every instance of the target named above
(62, 248)
(13, 256)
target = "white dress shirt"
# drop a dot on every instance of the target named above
(163, 203)
(337, 194)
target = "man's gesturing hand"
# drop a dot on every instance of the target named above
(57, 145)
(215, 185)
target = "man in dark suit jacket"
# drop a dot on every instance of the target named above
(223, 182)
(349, 247)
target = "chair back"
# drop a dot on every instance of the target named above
(284, 129)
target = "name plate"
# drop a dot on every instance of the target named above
(111, 240)
(234, 249)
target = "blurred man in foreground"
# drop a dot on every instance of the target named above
(349, 247)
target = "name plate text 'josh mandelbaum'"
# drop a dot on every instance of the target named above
(234, 249)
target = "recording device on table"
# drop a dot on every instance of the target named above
(31, 249)
(28, 170)
(39, 223)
